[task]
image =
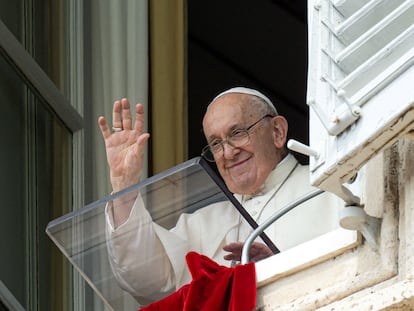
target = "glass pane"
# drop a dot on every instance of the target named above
(53, 199)
(36, 187)
(13, 183)
(175, 193)
(10, 14)
(40, 27)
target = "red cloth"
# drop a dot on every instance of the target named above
(213, 288)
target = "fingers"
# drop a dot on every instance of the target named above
(232, 257)
(139, 118)
(116, 115)
(121, 114)
(106, 132)
(235, 250)
(234, 247)
(126, 115)
(257, 251)
(142, 139)
(122, 118)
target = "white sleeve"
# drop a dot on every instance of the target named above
(138, 258)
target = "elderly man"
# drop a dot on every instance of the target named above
(246, 138)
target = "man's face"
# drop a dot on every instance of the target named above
(245, 168)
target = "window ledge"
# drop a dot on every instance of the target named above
(305, 255)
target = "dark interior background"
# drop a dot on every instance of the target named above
(260, 44)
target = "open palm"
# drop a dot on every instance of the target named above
(125, 146)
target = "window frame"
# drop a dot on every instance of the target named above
(69, 112)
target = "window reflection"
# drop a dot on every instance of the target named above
(36, 187)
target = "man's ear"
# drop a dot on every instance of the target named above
(280, 130)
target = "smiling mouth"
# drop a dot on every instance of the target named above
(237, 164)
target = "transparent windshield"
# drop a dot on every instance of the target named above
(98, 251)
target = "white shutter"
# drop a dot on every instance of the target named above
(360, 82)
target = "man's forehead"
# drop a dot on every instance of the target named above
(225, 115)
(232, 100)
(229, 106)
(248, 92)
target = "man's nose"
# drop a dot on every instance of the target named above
(229, 150)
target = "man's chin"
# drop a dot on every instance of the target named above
(240, 187)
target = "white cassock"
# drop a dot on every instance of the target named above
(149, 261)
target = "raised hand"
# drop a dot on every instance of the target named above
(125, 145)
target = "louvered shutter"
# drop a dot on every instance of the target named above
(360, 82)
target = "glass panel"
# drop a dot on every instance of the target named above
(42, 32)
(36, 187)
(81, 235)
(13, 183)
(53, 199)
(10, 14)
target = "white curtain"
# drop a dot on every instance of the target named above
(119, 69)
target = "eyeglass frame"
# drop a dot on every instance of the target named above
(208, 147)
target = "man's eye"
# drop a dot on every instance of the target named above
(215, 144)
(238, 133)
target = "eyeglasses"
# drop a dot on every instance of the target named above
(236, 139)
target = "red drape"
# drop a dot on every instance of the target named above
(213, 288)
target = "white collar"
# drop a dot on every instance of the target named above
(275, 178)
